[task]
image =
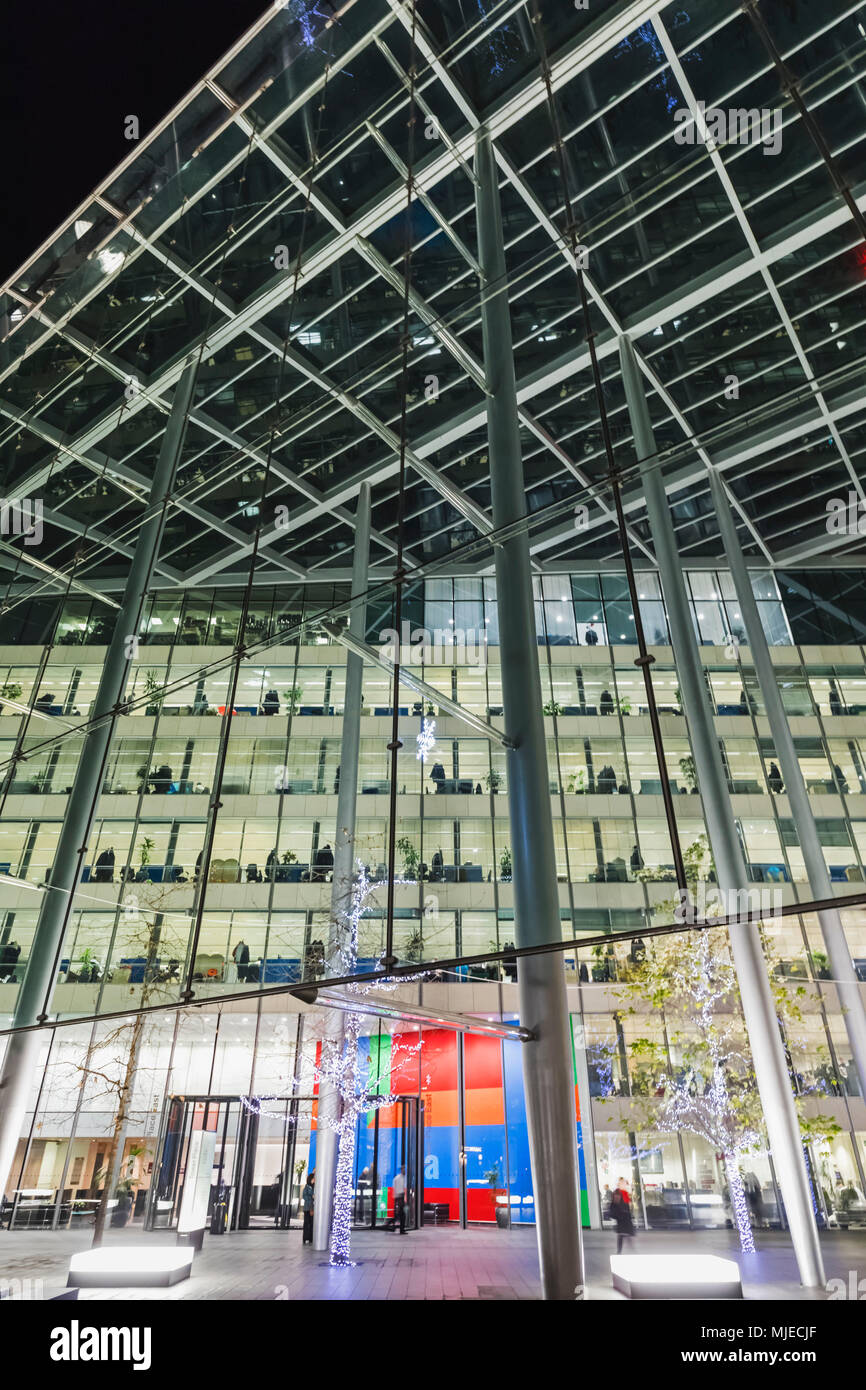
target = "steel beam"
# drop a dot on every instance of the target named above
(21, 1054)
(330, 1100)
(547, 1064)
(768, 1054)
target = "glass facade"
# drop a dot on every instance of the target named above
(277, 299)
(130, 932)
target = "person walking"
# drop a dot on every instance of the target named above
(620, 1210)
(241, 958)
(308, 1197)
(400, 1200)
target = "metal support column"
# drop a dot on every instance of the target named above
(344, 867)
(768, 1053)
(839, 955)
(547, 1062)
(587, 1127)
(21, 1055)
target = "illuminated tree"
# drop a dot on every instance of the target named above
(690, 977)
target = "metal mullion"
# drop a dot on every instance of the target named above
(508, 112)
(161, 126)
(656, 144)
(745, 225)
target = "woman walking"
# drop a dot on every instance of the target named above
(620, 1210)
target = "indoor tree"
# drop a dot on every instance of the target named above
(690, 978)
(112, 1063)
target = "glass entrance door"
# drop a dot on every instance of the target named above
(389, 1152)
(198, 1132)
(258, 1149)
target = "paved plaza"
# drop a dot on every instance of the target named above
(444, 1263)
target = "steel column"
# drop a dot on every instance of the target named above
(768, 1053)
(547, 1062)
(587, 1126)
(838, 952)
(327, 1142)
(20, 1061)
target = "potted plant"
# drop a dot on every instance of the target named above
(152, 687)
(689, 771)
(415, 945)
(300, 1169)
(493, 781)
(289, 857)
(505, 865)
(125, 1189)
(625, 706)
(147, 844)
(10, 691)
(501, 1209)
(430, 710)
(293, 698)
(678, 696)
(553, 707)
(821, 965)
(599, 967)
(88, 966)
(411, 857)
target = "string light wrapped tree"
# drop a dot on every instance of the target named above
(339, 1062)
(690, 978)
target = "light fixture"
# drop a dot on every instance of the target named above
(676, 1276)
(130, 1266)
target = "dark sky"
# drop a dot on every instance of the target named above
(69, 73)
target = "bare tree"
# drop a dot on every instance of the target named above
(112, 1063)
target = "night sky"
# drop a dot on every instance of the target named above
(69, 73)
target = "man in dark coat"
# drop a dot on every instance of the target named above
(307, 1203)
(323, 861)
(104, 867)
(241, 958)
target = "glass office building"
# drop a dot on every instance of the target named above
(200, 373)
(279, 794)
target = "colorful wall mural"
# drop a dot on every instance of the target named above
(496, 1141)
